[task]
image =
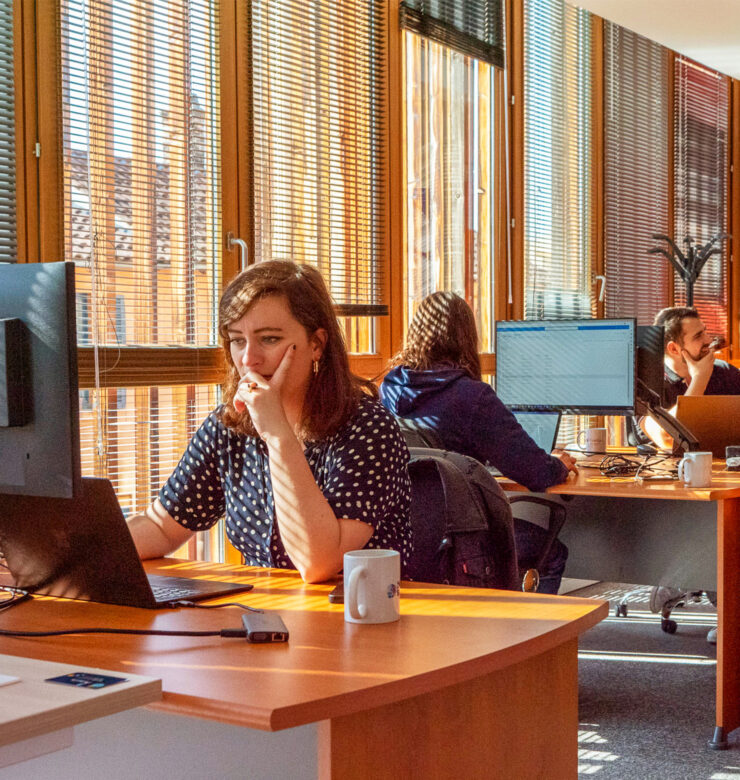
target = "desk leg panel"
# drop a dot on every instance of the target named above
(728, 615)
(521, 721)
(642, 541)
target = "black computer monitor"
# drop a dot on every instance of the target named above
(650, 366)
(39, 400)
(574, 366)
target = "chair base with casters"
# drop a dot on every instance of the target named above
(679, 599)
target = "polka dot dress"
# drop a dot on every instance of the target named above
(361, 470)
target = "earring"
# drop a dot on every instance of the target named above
(315, 367)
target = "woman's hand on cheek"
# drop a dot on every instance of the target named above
(262, 397)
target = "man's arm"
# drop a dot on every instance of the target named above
(700, 372)
(651, 428)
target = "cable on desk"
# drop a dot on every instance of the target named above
(624, 466)
(214, 606)
(224, 632)
(15, 599)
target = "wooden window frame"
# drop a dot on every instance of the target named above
(39, 183)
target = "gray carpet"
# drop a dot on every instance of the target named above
(646, 698)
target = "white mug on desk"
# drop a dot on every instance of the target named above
(594, 441)
(695, 469)
(372, 586)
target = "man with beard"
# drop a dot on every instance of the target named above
(690, 369)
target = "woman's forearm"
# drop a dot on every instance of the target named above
(155, 533)
(314, 538)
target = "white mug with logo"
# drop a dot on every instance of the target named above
(695, 469)
(594, 440)
(372, 586)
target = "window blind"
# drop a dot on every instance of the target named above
(472, 27)
(318, 75)
(557, 167)
(8, 236)
(701, 106)
(451, 178)
(637, 175)
(141, 166)
(558, 213)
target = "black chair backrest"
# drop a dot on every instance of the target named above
(417, 434)
(461, 523)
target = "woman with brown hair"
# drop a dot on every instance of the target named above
(300, 456)
(435, 380)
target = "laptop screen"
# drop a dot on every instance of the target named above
(541, 426)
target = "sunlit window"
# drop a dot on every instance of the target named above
(451, 178)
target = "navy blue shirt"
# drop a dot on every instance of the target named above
(362, 470)
(725, 380)
(468, 417)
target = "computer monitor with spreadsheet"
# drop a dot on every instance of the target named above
(575, 366)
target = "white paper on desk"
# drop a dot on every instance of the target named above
(6, 679)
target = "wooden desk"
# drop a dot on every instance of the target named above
(37, 716)
(663, 533)
(468, 678)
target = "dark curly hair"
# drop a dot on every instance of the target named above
(441, 333)
(334, 392)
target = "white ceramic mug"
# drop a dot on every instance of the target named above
(372, 586)
(695, 469)
(595, 440)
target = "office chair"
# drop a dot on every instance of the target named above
(417, 435)
(463, 531)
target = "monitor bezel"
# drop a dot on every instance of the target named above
(52, 436)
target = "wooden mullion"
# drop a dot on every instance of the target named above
(24, 36)
(390, 330)
(488, 363)
(139, 366)
(232, 28)
(469, 188)
(734, 220)
(39, 224)
(515, 65)
(146, 366)
(671, 119)
(597, 158)
(500, 269)
(49, 223)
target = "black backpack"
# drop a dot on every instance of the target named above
(461, 523)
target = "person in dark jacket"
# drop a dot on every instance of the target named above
(435, 381)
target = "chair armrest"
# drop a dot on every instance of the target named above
(556, 519)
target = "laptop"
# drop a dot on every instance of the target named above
(713, 419)
(542, 428)
(81, 548)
